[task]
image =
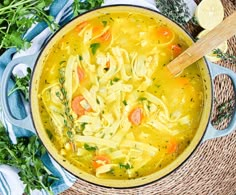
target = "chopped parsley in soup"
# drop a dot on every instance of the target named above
(108, 102)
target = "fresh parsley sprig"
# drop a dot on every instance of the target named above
(26, 157)
(176, 10)
(22, 84)
(80, 7)
(17, 16)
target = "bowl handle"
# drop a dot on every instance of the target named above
(211, 132)
(25, 123)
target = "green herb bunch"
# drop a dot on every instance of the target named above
(26, 156)
(17, 16)
(176, 10)
(80, 7)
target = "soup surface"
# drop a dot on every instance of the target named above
(108, 102)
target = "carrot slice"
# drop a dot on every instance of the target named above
(136, 116)
(77, 106)
(106, 36)
(182, 81)
(72, 145)
(164, 34)
(100, 160)
(80, 26)
(172, 146)
(176, 49)
(108, 64)
(164, 31)
(81, 74)
(97, 30)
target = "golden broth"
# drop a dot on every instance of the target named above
(108, 102)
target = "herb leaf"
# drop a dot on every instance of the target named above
(126, 166)
(94, 47)
(90, 148)
(82, 126)
(125, 102)
(104, 23)
(116, 79)
(142, 98)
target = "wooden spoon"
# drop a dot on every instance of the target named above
(214, 38)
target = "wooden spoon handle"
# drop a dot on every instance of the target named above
(212, 40)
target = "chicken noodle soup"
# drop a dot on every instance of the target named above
(108, 102)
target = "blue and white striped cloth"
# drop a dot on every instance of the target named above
(10, 183)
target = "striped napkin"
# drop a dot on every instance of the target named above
(10, 183)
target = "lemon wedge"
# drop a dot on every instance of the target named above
(211, 56)
(209, 13)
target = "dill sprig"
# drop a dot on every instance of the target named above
(224, 112)
(224, 56)
(176, 10)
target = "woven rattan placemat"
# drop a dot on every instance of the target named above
(211, 170)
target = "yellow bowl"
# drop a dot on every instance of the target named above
(75, 170)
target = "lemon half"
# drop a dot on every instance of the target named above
(209, 13)
(211, 56)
